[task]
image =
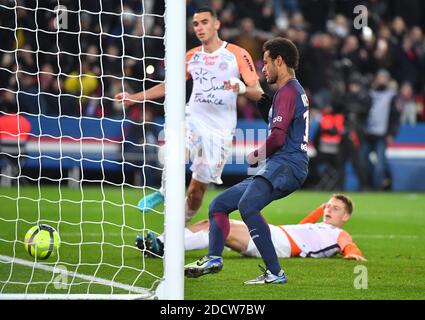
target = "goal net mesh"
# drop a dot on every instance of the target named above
(71, 156)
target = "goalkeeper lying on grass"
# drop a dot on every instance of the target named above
(309, 238)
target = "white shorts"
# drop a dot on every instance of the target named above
(208, 152)
(280, 243)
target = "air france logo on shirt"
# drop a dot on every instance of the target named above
(277, 119)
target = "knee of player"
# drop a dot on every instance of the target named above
(216, 205)
(246, 207)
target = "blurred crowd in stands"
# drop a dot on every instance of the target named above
(362, 83)
(333, 52)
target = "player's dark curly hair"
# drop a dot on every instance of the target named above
(285, 48)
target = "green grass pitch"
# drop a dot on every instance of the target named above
(388, 227)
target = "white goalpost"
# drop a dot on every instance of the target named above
(175, 151)
(74, 158)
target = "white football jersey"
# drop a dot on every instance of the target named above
(316, 240)
(210, 105)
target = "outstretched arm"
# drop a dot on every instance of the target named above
(314, 216)
(353, 256)
(153, 93)
(348, 248)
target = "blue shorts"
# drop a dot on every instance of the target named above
(258, 189)
(282, 177)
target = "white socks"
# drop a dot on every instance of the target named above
(195, 240)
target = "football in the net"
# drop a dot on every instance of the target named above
(42, 241)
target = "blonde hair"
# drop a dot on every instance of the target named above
(349, 205)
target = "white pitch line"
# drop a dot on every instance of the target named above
(387, 236)
(90, 234)
(95, 280)
(372, 236)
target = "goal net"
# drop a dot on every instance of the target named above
(74, 158)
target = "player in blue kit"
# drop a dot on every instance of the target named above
(283, 165)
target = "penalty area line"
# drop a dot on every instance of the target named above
(92, 279)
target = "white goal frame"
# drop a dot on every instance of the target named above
(175, 89)
(171, 287)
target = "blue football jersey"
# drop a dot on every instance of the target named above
(289, 112)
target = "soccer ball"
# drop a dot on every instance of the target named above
(42, 241)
